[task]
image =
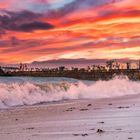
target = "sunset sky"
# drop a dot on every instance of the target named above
(40, 30)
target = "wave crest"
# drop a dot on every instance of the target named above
(28, 93)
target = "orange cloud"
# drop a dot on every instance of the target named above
(107, 31)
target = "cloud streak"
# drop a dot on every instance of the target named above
(100, 29)
(24, 21)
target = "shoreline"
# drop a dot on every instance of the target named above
(74, 120)
(133, 74)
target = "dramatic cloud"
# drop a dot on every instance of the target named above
(34, 26)
(22, 21)
(40, 30)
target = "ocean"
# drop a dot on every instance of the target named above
(23, 91)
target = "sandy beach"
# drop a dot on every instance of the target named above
(102, 119)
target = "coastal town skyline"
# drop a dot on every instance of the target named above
(74, 30)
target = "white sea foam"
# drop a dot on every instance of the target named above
(27, 93)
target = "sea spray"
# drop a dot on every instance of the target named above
(28, 93)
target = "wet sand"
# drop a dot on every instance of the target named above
(103, 119)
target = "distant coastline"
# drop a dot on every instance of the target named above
(94, 72)
(82, 74)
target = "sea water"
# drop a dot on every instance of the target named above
(20, 91)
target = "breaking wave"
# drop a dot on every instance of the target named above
(28, 93)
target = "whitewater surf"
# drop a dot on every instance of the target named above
(21, 91)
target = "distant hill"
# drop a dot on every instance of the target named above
(69, 62)
(73, 62)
